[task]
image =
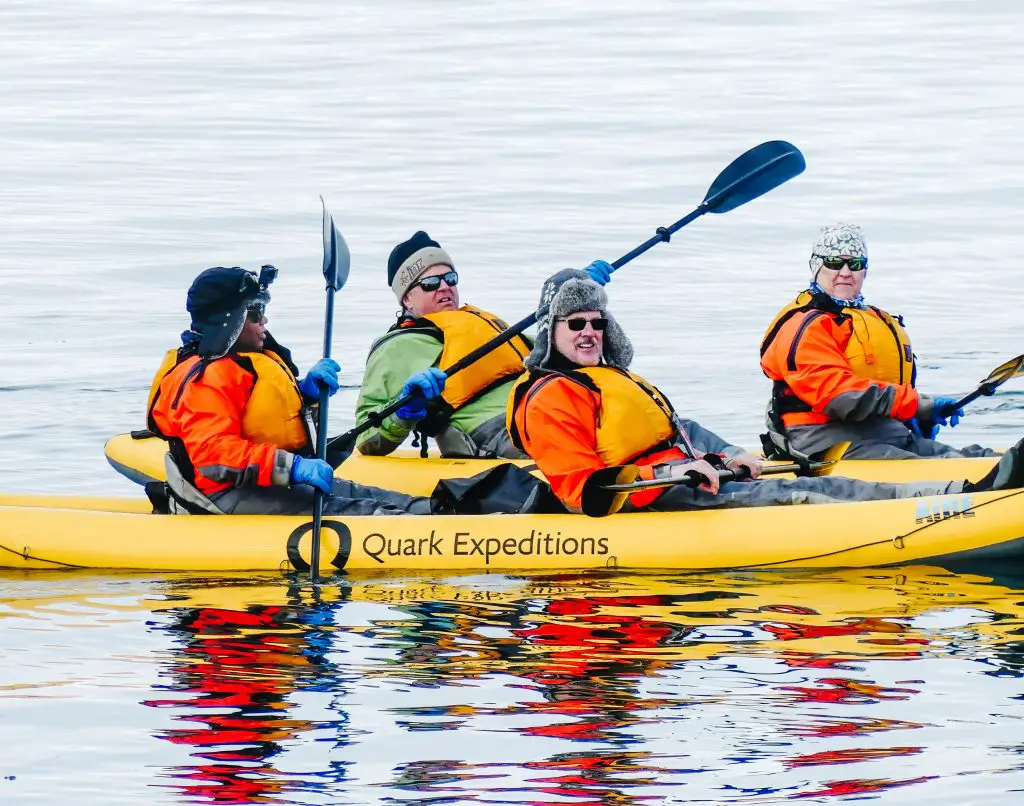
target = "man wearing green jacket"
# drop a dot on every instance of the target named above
(434, 331)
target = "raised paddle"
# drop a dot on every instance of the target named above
(337, 261)
(750, 175)
(603, 499)
(1014, 368)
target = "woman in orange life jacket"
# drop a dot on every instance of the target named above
(237, 418)
(844, 371)
(587, 422)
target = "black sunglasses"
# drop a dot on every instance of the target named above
(579, 323)
(836, 263)
(432, 283)
(256, 312)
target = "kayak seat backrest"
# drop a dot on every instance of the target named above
(185, 498)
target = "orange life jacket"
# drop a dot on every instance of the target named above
(634, 417)
(275, 413)
(878, 349)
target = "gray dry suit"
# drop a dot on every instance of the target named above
(347, 498)
(874, 438)
(780, 492)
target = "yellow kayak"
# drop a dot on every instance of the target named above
(142, 460)
(50, 532)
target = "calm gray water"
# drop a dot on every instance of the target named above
(140, 144)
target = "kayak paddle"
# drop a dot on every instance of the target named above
(750, 175)
(603, 499)
(337, 261)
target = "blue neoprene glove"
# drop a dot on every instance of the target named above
(322, 375)
(600, 271)
(425, 386)
(944, 409)
(315, 472)
(915, 427)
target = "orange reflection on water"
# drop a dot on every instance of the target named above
(249, 661)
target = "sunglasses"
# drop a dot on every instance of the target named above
(579, 323)
(432, 283)
(836, 263)
(256, 312)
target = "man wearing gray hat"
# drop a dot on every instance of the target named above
(845, 371)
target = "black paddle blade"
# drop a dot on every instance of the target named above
(753, 174)
(337, 258)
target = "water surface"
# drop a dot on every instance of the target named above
(141, 145)
(713, 688)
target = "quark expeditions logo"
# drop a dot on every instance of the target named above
(384, 549)
(945, 507)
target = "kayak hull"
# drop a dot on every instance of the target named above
(112, 535)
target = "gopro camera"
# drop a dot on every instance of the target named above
(268, 274)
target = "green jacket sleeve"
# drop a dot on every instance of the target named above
(388, 367)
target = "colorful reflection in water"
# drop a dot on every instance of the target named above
(234, 674)
(586, 690)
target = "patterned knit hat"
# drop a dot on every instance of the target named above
(571, 291)
(836, 240)
(410, 259)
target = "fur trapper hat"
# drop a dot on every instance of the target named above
(571, 291)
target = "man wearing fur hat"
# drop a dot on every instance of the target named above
(466, 414)
(587, 421)
(237, 417)
(844, 371)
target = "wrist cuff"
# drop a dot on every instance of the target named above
(281, 474)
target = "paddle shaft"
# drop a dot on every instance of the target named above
(981, 391)
(695, 479)
(337, 262)
(321, 440)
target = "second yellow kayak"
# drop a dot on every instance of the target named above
(142, 460)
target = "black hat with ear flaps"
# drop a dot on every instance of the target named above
(218, 300)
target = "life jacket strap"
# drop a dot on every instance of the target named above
(185, 498)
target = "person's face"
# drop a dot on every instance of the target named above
(254, 331)
(419, 302)
(585, 346)
(841, 283)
